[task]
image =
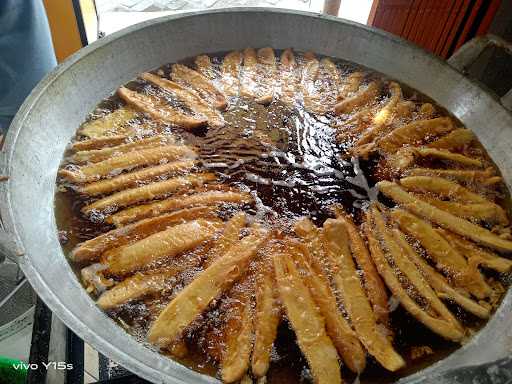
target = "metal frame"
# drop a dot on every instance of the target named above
(80, 22)
(53, 341)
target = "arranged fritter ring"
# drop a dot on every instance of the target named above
(185, 235)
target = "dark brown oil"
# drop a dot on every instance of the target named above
(290, 161)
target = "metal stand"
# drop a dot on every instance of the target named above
(52, 341)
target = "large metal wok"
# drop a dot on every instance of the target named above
(51, 115)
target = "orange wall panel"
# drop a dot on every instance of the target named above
(64, 28)
(439, 26)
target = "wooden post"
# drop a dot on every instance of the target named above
(373, 12)
(332, 7)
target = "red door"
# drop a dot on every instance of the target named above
(439, 26)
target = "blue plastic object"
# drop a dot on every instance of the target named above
(26, 53)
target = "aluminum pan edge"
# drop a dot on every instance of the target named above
(466, 100)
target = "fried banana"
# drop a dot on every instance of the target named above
(208, 285)
(288, 77)
(320, 90)
(444, 219)
(204, 67)
(414, 133)
(449, 156)
(264, 75)
(488, 212)
(258, 75)
(359, 99)
(350, 84)
(478, 208)
(239, 331)
(442, 187)
(248, 81)
(405, 157)
(160, 110)
(147, 192)
(456, 139)
(109, 125)
(426, 110)
(405, 108)
(342, 336)
(310, 73)
(178, 348)
(144, 157)
(207, 198)
(99, 142)
(230, 69)
(97, 155)
(164, 244)
(373, 284)
(442, 322)
(312, 236)
(143, 284)
(445, 256)
(188, 97)
(485, 177)
(308, 324)
(333, 75)
(135, 178)
(381, 119)
(91, 250)
(477, 255)
(266, 320)
(202, 85)
(229, 236)
(357, 304)
(438, 281)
